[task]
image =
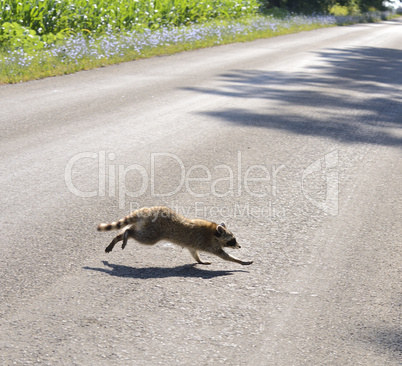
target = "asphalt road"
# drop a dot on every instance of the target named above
(294, 142)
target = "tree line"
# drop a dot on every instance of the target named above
(323, 6)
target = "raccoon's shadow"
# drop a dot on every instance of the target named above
(188, 270)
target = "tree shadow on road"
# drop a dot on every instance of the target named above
(351, 95)
(388, 339)
(189, 270)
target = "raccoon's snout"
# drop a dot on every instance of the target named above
(233, 243)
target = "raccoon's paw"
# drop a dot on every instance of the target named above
(206, 263)
(108, 249)
(247, 263)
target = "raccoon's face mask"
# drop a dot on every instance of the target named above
(226, 237)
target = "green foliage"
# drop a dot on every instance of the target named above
(81, 52)
(353, 7)
(14, 35)
(371, 5)
(40, 38)
(338, 10)
(279, 13)
(301, 6)
(350, 8)
(322, 6)
(97, 16)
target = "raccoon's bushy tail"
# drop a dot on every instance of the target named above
(117, 224)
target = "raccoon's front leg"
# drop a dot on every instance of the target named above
(222, 254)
(110, 247)
(195, 255)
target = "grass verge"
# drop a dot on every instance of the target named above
(84, 52)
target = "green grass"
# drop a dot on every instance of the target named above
(82, 52)
(42, 38)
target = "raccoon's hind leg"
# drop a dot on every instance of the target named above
(110, 247)
(123, 236)
(222, 254)
(127, 234)
(195, 255)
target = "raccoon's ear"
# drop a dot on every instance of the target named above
(223, 224)
(219, 231)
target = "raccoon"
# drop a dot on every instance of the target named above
(149, 225)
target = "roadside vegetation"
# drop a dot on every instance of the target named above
(40, 38)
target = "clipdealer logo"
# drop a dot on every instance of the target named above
(222, 180)
(201, 181)
(328, 169)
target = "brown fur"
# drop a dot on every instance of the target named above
(150, 225)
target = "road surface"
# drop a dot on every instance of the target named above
(294, 142)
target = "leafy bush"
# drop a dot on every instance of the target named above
(338, 10)
(352, 8)
(15, 36)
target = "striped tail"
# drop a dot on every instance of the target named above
(116, 225)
